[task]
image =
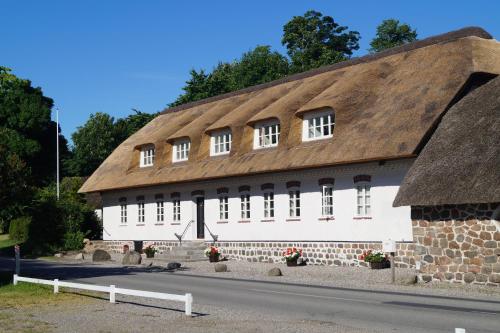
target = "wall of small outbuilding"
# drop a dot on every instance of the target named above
(457, 243)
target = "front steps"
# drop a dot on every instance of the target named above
(189, 251)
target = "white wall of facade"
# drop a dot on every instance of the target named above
(386, 221)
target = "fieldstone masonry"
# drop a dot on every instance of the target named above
(316, 253)
(458, 243)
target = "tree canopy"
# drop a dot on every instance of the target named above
(391, 33)
(314, 40)
(256, 66)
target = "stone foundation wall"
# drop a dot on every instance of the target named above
(457, 243)
(316, 253)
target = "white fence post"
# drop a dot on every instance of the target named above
(460, 330)
(112, 293)
(189, 303)
(15, 279)
(56, 286)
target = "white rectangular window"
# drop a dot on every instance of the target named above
(223, 208)
(180, 150)
(160, 211)
(269, 204)
(220, 143)
(294, 203)
(176, 210)
(245, 206)
(147, 156)
(140, 212)
(318, 125)
(363, 200)
(327, 200)
(123, 212)
(266, 135)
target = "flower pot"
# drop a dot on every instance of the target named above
(291, 263)
(379, 265)
(213, 258)
(150, 255)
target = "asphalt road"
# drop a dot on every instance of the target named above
(385, 311)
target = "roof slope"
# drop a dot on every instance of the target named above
(384, 107)
(461, 162)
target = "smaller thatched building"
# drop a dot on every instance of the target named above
(454, 191)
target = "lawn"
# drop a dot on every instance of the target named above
(6, 242)
(19, 305)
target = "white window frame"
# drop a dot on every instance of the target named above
(266, 134)
(220, 143)
(180, 150)
(176, 210)
(322, 120)
(141, 212)
(294, 202)
(327, 202)
(223, 207)
(363, 199)
(160, 211)
(269, 205)
(147, 156)
(123, 212)
(245, 206)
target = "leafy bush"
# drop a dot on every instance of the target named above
(60, 224)
(19, 228)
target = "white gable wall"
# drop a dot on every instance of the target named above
(386, 221)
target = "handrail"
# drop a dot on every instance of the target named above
(215, 237)
(183, 233)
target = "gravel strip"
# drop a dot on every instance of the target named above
(133, 315)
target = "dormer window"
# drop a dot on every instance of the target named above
(220, 143)
(318, 125)
(267, 134)
(147, 156)
(180, 151)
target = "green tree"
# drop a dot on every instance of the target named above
(125, 127)
(314, 40)
(256, 66)
(391, 33)
(92, 144)
(27, 143)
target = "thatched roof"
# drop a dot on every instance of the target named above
(461, 162)
(384, 105)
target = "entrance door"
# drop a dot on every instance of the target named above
(200, 217)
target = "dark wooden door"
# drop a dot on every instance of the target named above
(200, 217)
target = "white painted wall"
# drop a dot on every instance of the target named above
(387, 221)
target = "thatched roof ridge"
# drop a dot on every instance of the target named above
(383, 110)
(461, 162)
(446, 37)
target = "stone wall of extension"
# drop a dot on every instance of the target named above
(457, 243)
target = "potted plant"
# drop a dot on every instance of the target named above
(291, 256)
(149, 250)
(377, 259)
(213, 253)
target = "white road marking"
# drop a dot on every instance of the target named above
(315, 296)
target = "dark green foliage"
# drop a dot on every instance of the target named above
(27, 144)
(391, 33)
(61, 224)
(19, 229)
(98, 137)
(314, 40)
(259, 65)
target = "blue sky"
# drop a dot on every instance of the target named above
(111, 56)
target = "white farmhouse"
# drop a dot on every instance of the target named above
(314, 160)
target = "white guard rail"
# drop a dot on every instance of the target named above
(112, 290)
